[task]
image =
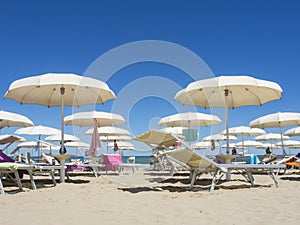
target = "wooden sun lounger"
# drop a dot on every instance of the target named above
(201, 164)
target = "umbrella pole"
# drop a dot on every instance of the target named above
(281, 136)
(62, 162)
(227, 129)
(243, 145)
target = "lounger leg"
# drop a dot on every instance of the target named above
(18, 181)
(32, 180)
(274, 177)
(2, 192)
(250, 177)
(53, 177)
(95, 170)
(214, 180)
(193, 176)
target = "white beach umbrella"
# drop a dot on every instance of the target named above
(219, 137)
(117, 138)
(83, 119)
(9, 119)
(293, 132)
(77, 144)
(244, 131)
(109, 131)
(289, 143)
(38, 130)
(123, 145)
(266, 145)
(201, 145)
(229, 92)
(60, 89)
(271, 137)
(248, 143)
(189, 119)
(279, 119)
(35, 144)
(57, 137)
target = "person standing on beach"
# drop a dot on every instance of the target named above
(116, 148)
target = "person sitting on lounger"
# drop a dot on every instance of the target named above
(268, 151)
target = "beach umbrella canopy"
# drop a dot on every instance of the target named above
(35, 144)
(189, 119)
(117, 138)
(270, 137)
(248, 143)
(60, 89)
(293, 132)
(266, 145)
(219, 137)
(201, 145)
(229, 92)
(57, 137)
(289, 143)
(37, 130)
(109, 131)
(9, 119)
(244, 131)
(123, 145)
(77, 144)
(279, 119)
(87, 119)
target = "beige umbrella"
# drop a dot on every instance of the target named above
(67, 138)
(271, 137)
(109, 131)
(77, 145)
(123, 145)
(201, 145)
(35, 144)
(56, 89)
(219, 137)
(83, 119)
(293, 132)
(38, 130)
(60, 89)
(229, 92)
(9, 119)
(244, 131)
(189, 119)
(279, 119)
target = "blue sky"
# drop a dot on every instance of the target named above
(257, 38)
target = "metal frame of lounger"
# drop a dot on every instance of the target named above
(42, 169)
(210, 166)
(8, 169)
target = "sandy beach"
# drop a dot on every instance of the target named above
(90, 200)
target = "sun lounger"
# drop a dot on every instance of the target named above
(201, 164)
(9, 168)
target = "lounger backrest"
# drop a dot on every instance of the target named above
(192, 159)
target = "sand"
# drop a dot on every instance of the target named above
(90, 200)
